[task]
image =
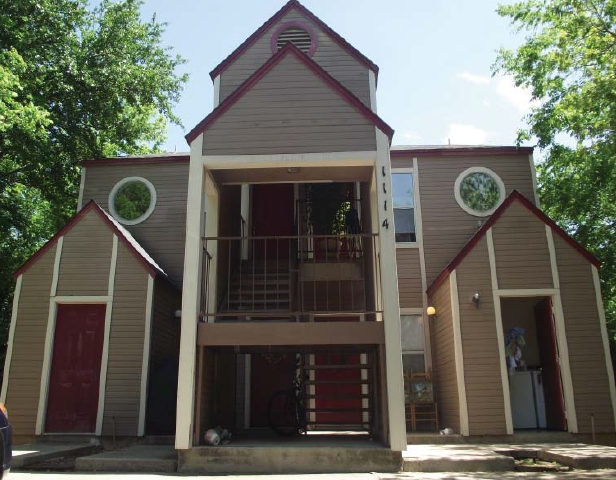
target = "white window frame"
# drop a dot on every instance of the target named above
(410, 170)
(114, 192)
(462, 203)
(416, 312)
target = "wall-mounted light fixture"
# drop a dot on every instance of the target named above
(431, 311)
(476, 298)
(293, 170)
(177, 314)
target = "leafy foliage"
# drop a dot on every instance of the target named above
(132, 200)
(479, 191)
(76, 82)
(568, 60)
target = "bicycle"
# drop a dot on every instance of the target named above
(286, 409)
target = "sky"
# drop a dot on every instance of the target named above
(435, 81)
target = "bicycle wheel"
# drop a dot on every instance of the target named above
(282, 414)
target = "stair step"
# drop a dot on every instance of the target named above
(337, 396)
(261, 291)
(357, 366)
(338, 410)
(337, 382)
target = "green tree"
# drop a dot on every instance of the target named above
(76, 82)
(568, 60)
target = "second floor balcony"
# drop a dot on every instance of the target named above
(296, 278)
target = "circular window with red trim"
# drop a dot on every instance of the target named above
(297, 33)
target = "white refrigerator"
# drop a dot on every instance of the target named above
(527, 401)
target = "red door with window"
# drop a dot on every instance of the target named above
(72, 403)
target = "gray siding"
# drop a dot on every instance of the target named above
(290, 110)
(86, 258)
(521, 250)
(329, 55)
(586, 354)
(482, 374)
(446, 227)
(409, 278)
(29, 345)
(126, 337)
(443, 359)
(163, 233)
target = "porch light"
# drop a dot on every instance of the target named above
(293, 170)
(177, 314)
(476, 298)
(431, 311)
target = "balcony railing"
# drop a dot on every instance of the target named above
(289, 278)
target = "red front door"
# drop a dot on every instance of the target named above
(75, 369)
(273, 214)
(550, 367)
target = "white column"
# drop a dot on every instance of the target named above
(212, 205)
(245, 212)
(389, 292)
(191, 297)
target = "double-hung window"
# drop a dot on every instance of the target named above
(404, 206)
(413, 344)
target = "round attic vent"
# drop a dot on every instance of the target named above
(297, 33)
(298, 37)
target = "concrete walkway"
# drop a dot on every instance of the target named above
(137, 458)
(242, 459)
(25, 455)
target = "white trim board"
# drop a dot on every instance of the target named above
(604, 339)
(561, 339)
(500, 335)
(533, 173)
(82, 183)
(422, 263)
(285, 160)
(49, 336)
(9, 351)
(458, 353)
(526, 292)
(147, 338)
(56, 267)
(102, 383)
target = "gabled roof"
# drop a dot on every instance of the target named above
(514, 196)
(123, 235)
(290, 49)
(222, 66)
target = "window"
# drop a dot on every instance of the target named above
(132, 200)
(404, 206)
(413, 346)
(479, 191)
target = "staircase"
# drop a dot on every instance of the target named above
(340, 391)
(259, 286)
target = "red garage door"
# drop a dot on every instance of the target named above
(75, 369)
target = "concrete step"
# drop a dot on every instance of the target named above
(238, 460)
(454, 458)
(137, 458)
